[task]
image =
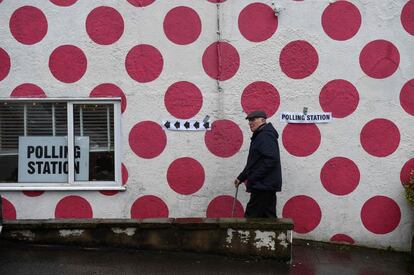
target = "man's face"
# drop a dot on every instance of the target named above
(254, 123)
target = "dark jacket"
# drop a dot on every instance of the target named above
(263, 171)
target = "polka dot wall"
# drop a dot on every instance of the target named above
(170, 59)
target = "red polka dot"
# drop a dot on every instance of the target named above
(406, 171)
(301, 140)
(224, 139)
(9, 212)
(149, 207)
(104, 25)
(68, 63)
(5, 64)
(407, 97)
(339, 97)
(340, 176)
(144, 63)
(227, 66)
(380, 215)
(407, 18)
(147, 139)
(380, 137)
(342, 238)
(183, 100)
(304, 211)
(124, 174)
(28, 25)
(298, 59)
(260, 95)
(28, 90)
(341, 20)
(222, 207)
(257, 22)
(141, 3)
(110, 90)
(63, 3)
(379, 59)
(185, 176)
(216, 1)
(73, 207)
(182, 25)
(33, 193)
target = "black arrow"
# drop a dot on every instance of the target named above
(167, 125)
(187, 124)
(177, 124)
(196, 125)
(206, 125)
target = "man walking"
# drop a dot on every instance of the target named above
(262, 173)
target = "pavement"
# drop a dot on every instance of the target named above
(23, 258)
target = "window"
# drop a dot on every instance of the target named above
(35, 137)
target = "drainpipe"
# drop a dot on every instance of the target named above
(1, 214)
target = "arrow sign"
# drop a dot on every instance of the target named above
(186, 125)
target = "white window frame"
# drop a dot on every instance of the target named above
(71, 184)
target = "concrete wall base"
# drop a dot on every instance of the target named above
(231, 236)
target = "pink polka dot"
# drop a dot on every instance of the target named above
(63, 3)
(260, 95)
(298, 59)
(222, 207)
(407, 97)
(182, 25)
(28, 25)
(341, 20)
(144, 63)
(224, 139)
(406, 171)
(124, 174)
(28, 90)
(68, 63)
(5, 64)
(340, 176)
(342, 238)
(141, 3)
(301, 140)
(380, 215)
(110, 90)
(339, 97)
(147, 139)
(227, 66)
(379, 59)
(380, 137)
(185, 176)
(216, 1)
(149, 207)
(33, 193)
(73, 207)
(407, 18)
(183, 99)
(104, 25)
(257, 22)
(9, 211)
(304, 211)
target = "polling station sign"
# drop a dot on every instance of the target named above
(291, 117)
(45, 159)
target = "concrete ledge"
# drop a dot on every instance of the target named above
(268, 238)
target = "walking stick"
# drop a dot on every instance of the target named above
(234, 201)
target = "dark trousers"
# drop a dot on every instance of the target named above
(262, 204)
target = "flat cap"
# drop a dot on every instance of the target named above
(256, 114)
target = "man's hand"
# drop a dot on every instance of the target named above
(237, 182)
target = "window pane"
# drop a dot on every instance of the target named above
(29, 140)
(96, 123)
